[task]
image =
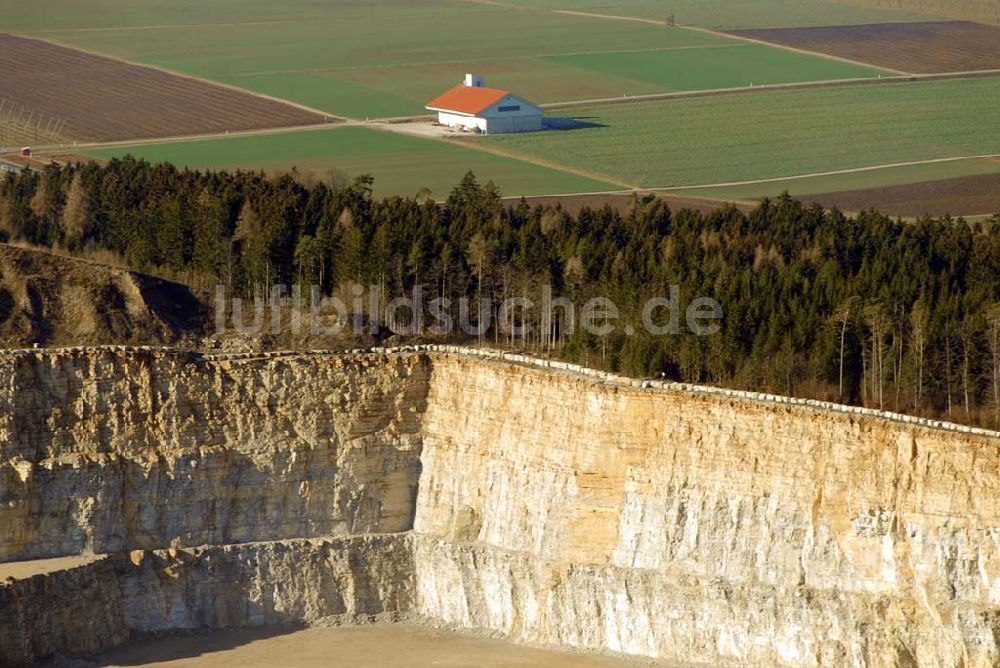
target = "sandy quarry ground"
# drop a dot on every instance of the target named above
(374, 646)
(19, 570)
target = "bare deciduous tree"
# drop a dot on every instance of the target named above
(878, 325)
(993, 340)
(843, 317)
(76, 213)
(919, 322)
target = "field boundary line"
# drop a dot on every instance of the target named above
(707, 31)
(184, 75)
(503, 153)
(836, 172)
(794, 85)
(613, 17)
(650, 97)
(794, 49)
(567, 12)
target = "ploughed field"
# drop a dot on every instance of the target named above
(919, 48)
(967, 195)
(101, 99)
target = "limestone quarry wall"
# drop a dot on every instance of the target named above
(551, 504)
(697, 526)
(109, 451)
(98, 606)
(73, 610)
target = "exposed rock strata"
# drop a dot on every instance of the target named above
(77, 609)
(552, 508)
(98, 606)
(695, 527)
(108, 452)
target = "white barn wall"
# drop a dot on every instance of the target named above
(498, 118)
(526, 119)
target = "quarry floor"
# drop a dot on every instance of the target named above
(401, 645)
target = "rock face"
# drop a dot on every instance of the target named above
(544, 504)
(109, 452)
(695, 527)
(78, 609)
(98, 606)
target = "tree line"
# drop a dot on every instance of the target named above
(864, 309)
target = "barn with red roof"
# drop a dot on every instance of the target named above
(474, 107)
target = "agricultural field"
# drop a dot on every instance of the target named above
(377, 59)
(362, 60)
(774, 134)
(966, 195)
(879, 178)
(720, 14)
(401, 164)
(723, 14)
(919, 48)
(84, 97)
(975, 10)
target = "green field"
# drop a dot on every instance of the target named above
(773, 134)
(401, 164)
(878, 178)
(738, 65)
(378, 59)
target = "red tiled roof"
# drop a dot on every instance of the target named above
(468, 99)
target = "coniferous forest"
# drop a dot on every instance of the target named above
(866, 309)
